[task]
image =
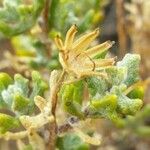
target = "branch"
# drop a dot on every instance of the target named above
(122, 34)
(44, 24)
(45, 15)
(55, 87)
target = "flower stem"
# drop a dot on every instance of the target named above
(53, 125)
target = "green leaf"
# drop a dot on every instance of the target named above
(20, 86)
(20, 103)
(108, 101)
(131, 63)
(71, 142)
(5, 80)
(103, 107)
(126, 106)
(97, 86)
(52, 12)
(129, 106)
(137, 123)
(23, 45)
(39, 85)
(72, 96)
(7, 123)
(116, 75)
(137, 92)
(62, 19)
(22, 17)
(19, 96)
(85, 22)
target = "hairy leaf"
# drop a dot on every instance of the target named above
(19, 97)
(126, 106)
(71, 142)
(131, 62)
(72, 96)
(7, 122)
(22, 17)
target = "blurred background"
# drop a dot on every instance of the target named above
(29, 45)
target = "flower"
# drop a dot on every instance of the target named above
(77, 58)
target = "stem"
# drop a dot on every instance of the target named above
(54, 98)
(54, 92)
(122, 34)
(64, 128)
(45, 27)
(45, 15)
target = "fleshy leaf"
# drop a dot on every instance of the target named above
(17, 95)
(103, 107)
(7, 122)
(71, 142)
(137, 92)
(131, 62)
(20, 103)
(116, 75)
(72, 96)
(97, 86)
(126, 106)
(20, 86)
(61, 19)
(22, 17)
(137, 124)
(23, 45)
(39, 86)
(5, 80)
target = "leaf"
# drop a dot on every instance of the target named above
(52, 12)
(97, 86)
(137, 92)
(103, 107)
(61, 18)
(5, 80)
(7, 122)
(19, 96)
(23, 45)
(137, 124)
(20, 104)
(85, 22)
(108, 101)
(71, 142)
(131, 63)
(129, 106)
(126, 106)
(72, 96)
(116, 75)
(39, 86)
(20, 86)
(21, 18)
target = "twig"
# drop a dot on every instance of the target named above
(54, 92)
(67, 126)
(44, 24)
(122, 34)
(54, 99)
(64, 128)
(45, 15)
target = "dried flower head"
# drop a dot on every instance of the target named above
(78, 59)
